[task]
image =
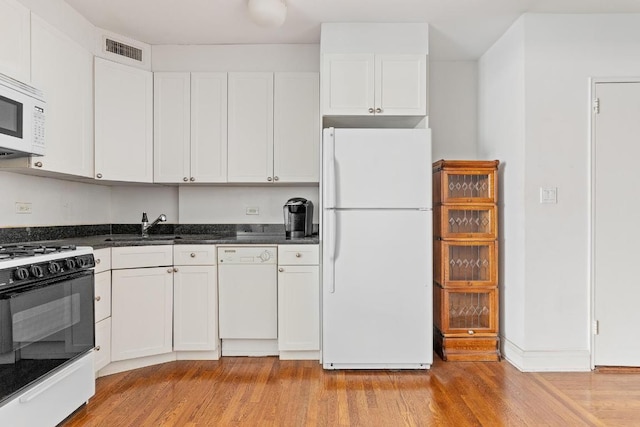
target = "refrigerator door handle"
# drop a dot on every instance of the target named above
(330, 169)
(331, 225)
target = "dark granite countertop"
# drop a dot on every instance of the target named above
(115, 235)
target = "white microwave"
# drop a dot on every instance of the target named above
(22, 112)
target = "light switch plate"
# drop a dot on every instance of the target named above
(549, 195)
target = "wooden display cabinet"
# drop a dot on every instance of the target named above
(465, 231)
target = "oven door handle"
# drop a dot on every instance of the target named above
(50, 382)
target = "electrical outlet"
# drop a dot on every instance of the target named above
(253, 211)
(23, 208)
(549, 195)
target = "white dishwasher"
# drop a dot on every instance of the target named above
(248, 300)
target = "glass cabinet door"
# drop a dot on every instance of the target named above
(466, 312)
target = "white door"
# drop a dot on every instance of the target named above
(377, 168)
(616, 231)
(377, 294)
(209, 127)
(401, 85)
(250, 133)
(348, 87)
(195, 308)
(172, 127)
(296, 127)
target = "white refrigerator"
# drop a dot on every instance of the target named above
(376, 249)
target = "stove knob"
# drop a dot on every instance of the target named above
(70, 263)
(36, 271)
(81, 262)
(54, 267)
(21, 273)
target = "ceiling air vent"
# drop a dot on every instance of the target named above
(123, 50)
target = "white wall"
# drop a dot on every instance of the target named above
(501, 136)
(228, 204)
(53, 201)
(453, 109)
(284, 57)
(128, 203)
(561, 53)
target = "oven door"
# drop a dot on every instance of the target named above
(42, 327)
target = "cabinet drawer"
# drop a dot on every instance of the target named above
(465, 264)
(141, 256)
(103, 260)
(465, 222)
(102, 350)
(102, 295)
(453, 183)
(298, 255)
(466, 313)
(194, 255)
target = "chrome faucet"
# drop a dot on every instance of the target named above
(146, 226)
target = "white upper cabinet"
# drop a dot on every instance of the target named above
(123, 122)
(274, 127)
(250, 118)
(15, 44)
(374, 84)
(296, 128)
(190, 138)
(63, 70)
(172, 127)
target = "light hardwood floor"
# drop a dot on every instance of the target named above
(242, 391)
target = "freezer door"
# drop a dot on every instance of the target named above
(377, 298)
(377, 168)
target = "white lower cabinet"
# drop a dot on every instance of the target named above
(298, 301)
(195, 308)
(102, 350)
(142, 308)
(102, 309)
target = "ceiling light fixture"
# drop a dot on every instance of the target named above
(267, 13)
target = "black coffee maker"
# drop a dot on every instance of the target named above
(298, 218)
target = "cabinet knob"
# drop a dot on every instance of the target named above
(192, 179)
(169, 270)
(38, 164)
(298, 254)
(281, 269)
(269, 179)
(97, 260)
(185, 179)
(378, 110)
(98, 175)
(371, 110)
(97, 348)
(470, 332)
(175, 269)
(275, 178)
(193, 255)
(98, 298)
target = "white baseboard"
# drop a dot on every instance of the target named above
(546, 361)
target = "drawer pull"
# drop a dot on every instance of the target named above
(298, 254)
(175, 269)
(281, 269)
(97, 260)
(470, 332)
(98, 298)
(97, 348)
(193, 255)
(169, 270)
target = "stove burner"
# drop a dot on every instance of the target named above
(27, 250)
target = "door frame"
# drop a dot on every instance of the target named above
(591, 198)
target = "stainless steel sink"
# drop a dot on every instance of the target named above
(133, 238)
